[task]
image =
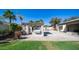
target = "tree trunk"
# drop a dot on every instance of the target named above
(55, 27)
(10, 24)
(21, 22)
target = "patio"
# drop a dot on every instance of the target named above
(53, 36)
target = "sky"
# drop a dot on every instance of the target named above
(45, 14)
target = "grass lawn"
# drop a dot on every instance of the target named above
(22, 45)
(39, 45)
(66, 45)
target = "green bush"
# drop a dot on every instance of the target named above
(15, 27)
(18, 28)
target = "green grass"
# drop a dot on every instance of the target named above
(22, 45)
(66, 45)
(38, 45)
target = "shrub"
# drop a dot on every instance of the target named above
(4, 32)
(18, 28)
(15, 27)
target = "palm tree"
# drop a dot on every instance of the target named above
(54, 22)
(21, 18)
(34, 24)
(39, 22)
(31, 23)
(10, 16)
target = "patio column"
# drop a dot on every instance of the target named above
(64, 27)
(42, 30)
(27, 29)
(30, 29)
(57, 27)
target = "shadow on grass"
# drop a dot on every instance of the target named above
(4, 42)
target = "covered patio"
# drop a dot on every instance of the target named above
(73, 26)
(70, 26)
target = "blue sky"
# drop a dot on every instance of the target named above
(45, 14)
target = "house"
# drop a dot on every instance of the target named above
(26, 28)
(70, 26)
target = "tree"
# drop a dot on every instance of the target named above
(2, 19)
(55, 21)
(1, 22)
(65, 20)
(21, 18)
(10, 16)
(34, 24)
(39, 22)
(72, 18)
(31, 23)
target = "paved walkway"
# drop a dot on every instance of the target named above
(53, 36)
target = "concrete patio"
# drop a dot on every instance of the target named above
(53, 36)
